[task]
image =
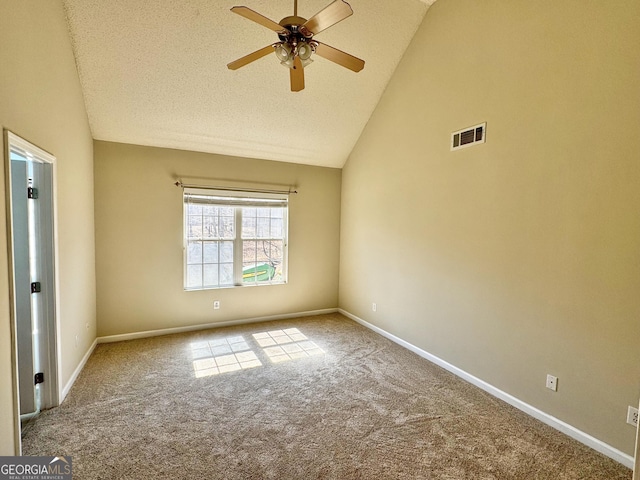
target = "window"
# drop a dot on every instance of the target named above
(234, 239)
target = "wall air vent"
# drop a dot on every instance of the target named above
(469, 136)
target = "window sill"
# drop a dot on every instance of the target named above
(225, 287)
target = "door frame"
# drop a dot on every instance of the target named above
(52, 362)
(636, 469)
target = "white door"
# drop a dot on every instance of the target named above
(32, 252)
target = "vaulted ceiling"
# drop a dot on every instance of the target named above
(154, 73)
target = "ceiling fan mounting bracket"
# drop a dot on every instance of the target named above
(292, 21)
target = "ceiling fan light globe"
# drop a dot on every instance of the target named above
(288, 63)
(283, 52)
(304, 51)
(306, 62)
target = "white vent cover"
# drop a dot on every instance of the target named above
(469, 136)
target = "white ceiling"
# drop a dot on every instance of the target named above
(154, 73)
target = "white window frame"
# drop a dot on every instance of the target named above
(238, 200)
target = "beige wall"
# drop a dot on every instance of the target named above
(519, 257)
(41, 100)
(139, 239)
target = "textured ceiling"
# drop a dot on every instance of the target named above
(154, 73)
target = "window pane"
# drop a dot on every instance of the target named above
(278, 275)
(226, 274)
(211, 210)
(194, 225)
(248, 225)
(226, 227)
(226, 252)
(210, 252)
(262, 260)
(276, 228)
(248, 272)
(194, 253)
(226, 211)
(277, 212)
(194, 276)
(263, 212)
(194, 209)
(277, 258)
(249, 251)
(211, 275)
(263, 227)
(257, 272)
(209, 227)
(270, 251)
(263, 251)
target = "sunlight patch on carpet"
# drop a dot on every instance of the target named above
(222, 355)
(233, 354)
(284, 345)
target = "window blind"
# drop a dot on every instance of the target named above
(239, 199)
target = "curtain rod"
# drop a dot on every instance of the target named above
(235, 189)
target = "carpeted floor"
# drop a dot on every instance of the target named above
(316, 397)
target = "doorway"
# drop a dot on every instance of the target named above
(636, 469)
(32, 256)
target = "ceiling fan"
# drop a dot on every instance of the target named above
(297, 45)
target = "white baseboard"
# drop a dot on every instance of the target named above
(206, 326)
(65, 391)
(571, 431)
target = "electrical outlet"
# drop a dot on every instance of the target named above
(632, 416)
(216, 305)
(552, 383)
(374, 307)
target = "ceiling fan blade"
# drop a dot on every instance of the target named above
(260, 19)
(252, 57)
(297, 75)
(325, 18)
(339, 57)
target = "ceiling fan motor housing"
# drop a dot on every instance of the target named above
(295, 42)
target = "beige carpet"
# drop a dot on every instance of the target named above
(315, 397)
